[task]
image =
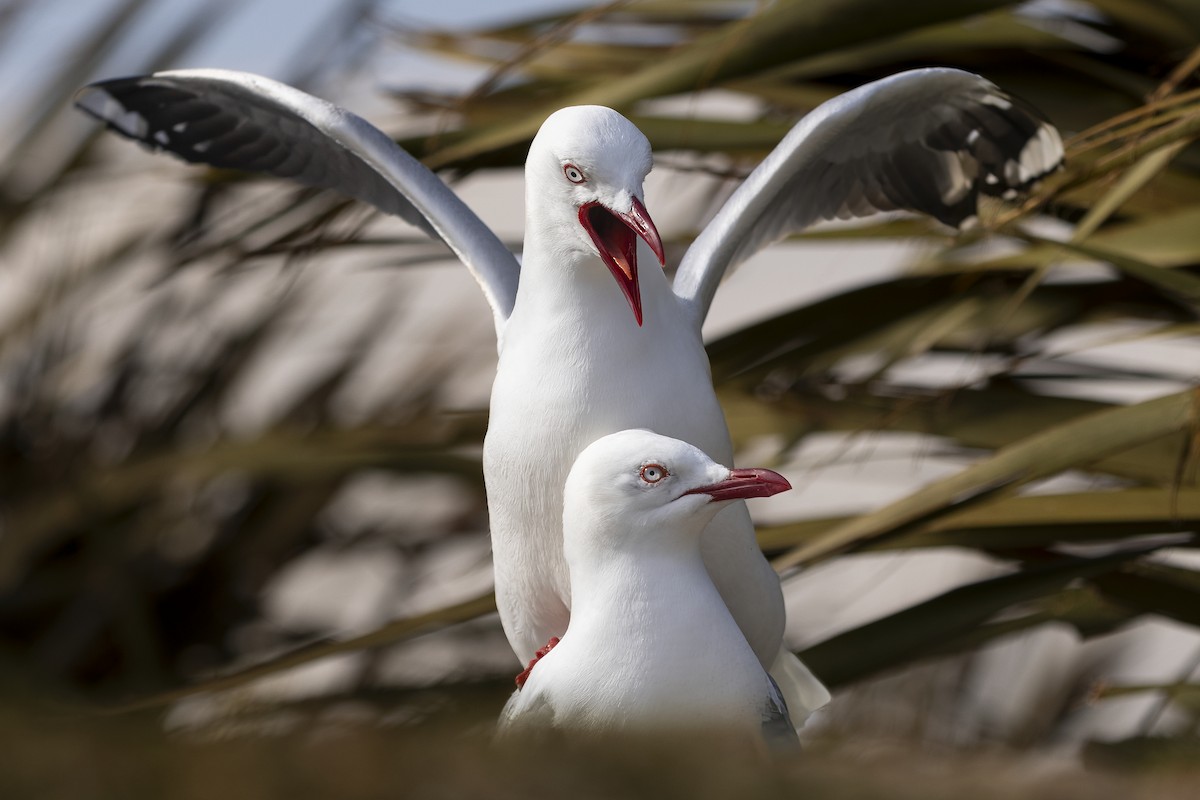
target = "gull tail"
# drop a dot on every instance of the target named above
(803, 691)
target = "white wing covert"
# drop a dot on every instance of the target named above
(236, 120)
(927, 140)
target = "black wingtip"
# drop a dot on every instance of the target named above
(1028, 146)
(97, 101)
(167, 117)
(1014, 147)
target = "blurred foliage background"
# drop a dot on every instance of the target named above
(240, 422)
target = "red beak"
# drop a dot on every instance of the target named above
(615, 235)
(744, 483)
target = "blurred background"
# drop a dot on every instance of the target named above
(243, 537)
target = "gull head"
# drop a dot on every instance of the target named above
(638, 490)
(584, 178)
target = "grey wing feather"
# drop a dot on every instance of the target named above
(927, 140)
(236, 120)
(777, 727)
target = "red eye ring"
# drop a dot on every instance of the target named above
(653, 473)
(574, 174)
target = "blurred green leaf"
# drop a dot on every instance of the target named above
(1077, 443)
(392, 633)
(1174, 21)
(43, 517)
(1151, 755)
(994, 417)
(922, 629)
(1028, 521)
(1173, 592)
(1163, 240)
(779, 33)
(1177, 282)
(1134, 179)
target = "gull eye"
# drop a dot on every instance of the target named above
(653, 473)
(573, 173)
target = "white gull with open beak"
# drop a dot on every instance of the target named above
(651, 644)
(589, 343)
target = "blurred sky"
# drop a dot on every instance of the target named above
(260, 36)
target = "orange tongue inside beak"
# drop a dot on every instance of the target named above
(615, 236)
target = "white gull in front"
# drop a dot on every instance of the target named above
(651, 644)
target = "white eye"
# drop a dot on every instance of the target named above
(653, 473)
(573, 173)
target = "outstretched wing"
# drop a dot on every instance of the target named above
(927, 140)
(236, 120)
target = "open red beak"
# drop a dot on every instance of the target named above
(615, 235)
(743, 483)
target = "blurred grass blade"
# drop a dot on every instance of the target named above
(43, 517)
(1164, 240)
(72, 73)
(1175, 281)
(392, 633)
(1187, 695)
(1173, 592)
(1077, 444)
(1175, 21)
(918, 631)
(1134, 179)
(997, 31)
(1185, 129)
(996, 416)
(1026, 521)
(779, 33)
(193, 30)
